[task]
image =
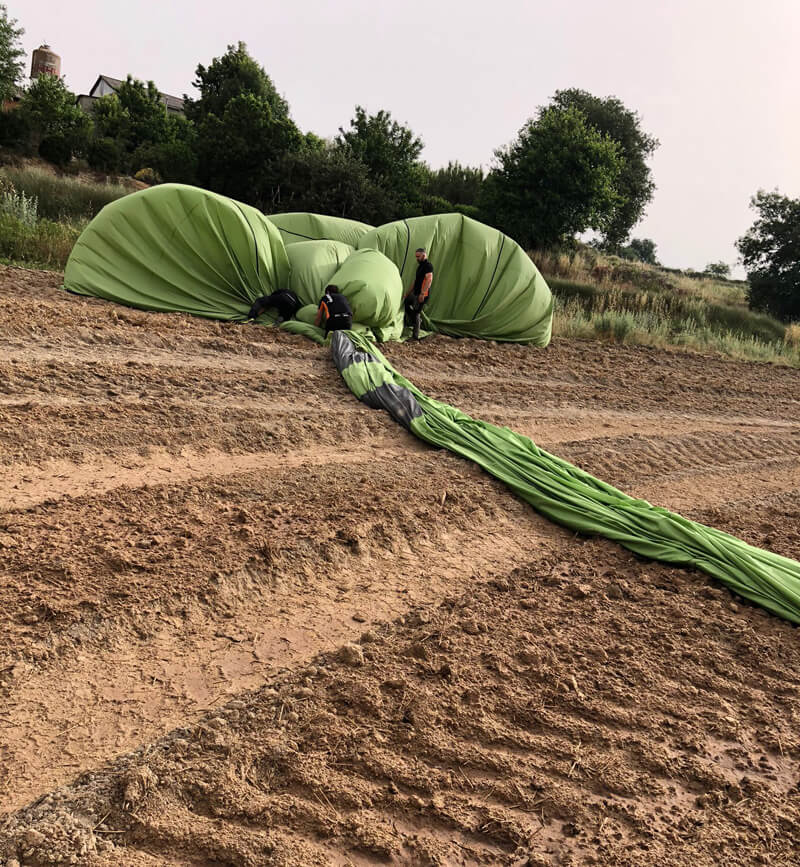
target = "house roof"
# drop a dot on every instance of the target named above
(173, 102)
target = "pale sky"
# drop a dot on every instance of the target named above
(716, 81)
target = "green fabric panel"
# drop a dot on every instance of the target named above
(484, 284)
(312, 264)
(307, 314)
(372, 285)
(179, 248)
(298, 227)
(573, 498)
(308, 329)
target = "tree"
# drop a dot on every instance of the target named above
(722, 270)
(58, 128)
(243, 128)
(456, 183)
(635, 185)
(391, 152)
(144, 112)
(641, 250)
(558, 178)
(327, 180)
(11, 54)
(771, 255)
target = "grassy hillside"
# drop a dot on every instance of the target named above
(600, 296)
(42, 212)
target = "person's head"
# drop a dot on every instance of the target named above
(421, 254)
(331, 288)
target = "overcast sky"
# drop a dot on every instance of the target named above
(716, 81)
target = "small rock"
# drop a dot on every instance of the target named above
(293, 716)
(417, 618)
(33, 838)
(303, 692)
(419, 651)
(359, 618)
(351, 654)
(218, 722)
(471, 627)
(369, 636)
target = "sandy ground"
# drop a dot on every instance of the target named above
(246, 620)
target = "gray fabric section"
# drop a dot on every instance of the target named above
(344, 353)
(397, 401)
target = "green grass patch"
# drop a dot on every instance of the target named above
(45, 243)
(572, 318)
(62, 197)
(672, 309)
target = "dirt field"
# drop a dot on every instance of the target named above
(246, 620)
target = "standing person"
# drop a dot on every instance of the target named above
(334, 313)
(284, 301)
(419, 291)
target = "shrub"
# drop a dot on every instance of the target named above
(105, 154)
(45, 243)
(148, 176)
(14, 129)
(56, 149)
(436, 205)
(16, 204)
(62, 198)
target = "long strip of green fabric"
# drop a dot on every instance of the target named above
(573, 498)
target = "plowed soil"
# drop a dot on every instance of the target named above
(246, 620)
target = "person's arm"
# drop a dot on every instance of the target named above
(426, 286)
(259, 305)
(318, 320)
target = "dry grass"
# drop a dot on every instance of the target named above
(609, 298)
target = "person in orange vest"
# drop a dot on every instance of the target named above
(334, 313)
(419, 291)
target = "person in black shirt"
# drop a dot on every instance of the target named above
(419, 291)
(284, 301)
(334, 313)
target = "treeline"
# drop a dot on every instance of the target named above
(578, 164)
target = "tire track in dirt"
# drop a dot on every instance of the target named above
(29, 485)
(117, 689)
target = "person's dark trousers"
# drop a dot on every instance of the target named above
(413, 311)
(338, 323)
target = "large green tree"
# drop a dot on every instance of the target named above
(635, 186)
(456, 183)
(58, 128)
(243, 128)
(11, 54)
(146, 114)
(558, 178)
(133, 130)
(324, 179)
(640, 250)
(390, 150)
(771, 255)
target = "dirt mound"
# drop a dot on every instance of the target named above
(196, 517)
